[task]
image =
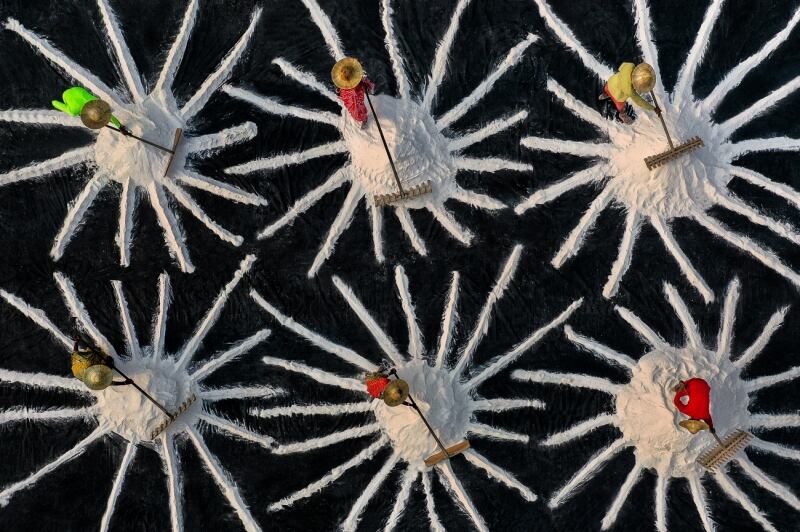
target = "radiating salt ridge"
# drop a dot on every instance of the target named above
(444, 380)
(139, 168)
(648, 421)
(687, 187)
(424, 146)
(123, 411)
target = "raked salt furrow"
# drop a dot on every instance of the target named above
(415, 346)
(304, 78)
(131, 340)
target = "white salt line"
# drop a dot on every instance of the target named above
(603, 351)
(218, 77)
(492, 128)
(177, 50)
(661, 502)
(633, 224)
(123, 54)
(565, 35)
(411, 232)
(222, 139)
(578, 430)
(38, 317)
(305, 78)
(321, 377)
(764, 144)
(79, 312)
(333, 348)
(376, 223)
(548, 194)
(237, 430)
(276, 108)
(774, 421)
(501, 405)
(43, 380)
(191, 205)
(474, 199)
(32, 415)
(567, 379)
(482, 324)
(339, 226)
(727, 319)
(763, 255)
(449, 319)
(738, 73)
(313, 410)
(775, 322)
(753, 385)
(591, 468)
(160, 321)
(172, 469)
(351, 522)
(330, 477)
(699, 498)
(225, 483)
(336, 180)
(494, 433)
(439, 66)
(571, 147)
(447, 221)
(622, 497)
(173, 234)
(677, 303)
(578, 108)
(760, 445)
(214, 312)
(326, 441)
(683, 87)
(392, 46)
(644, 37)
(74, 452)
(688, 270)
(401, 499)
(41, 117)
(241, 392)
(326, 28)
(493, 368)
(758, 108)
(131, 340)
(768, 483)
(574, 241)
(68, 66)
(490, 164)
(415, 344)
(645, 332)
(780, 189)
(75, 214)
(499, 474)
(287, 159)
(116, 488)
(127, 209)
(369, 322)
(459, 495)
(734, 204)
(41, 169)
(430, 506)
(735, 493)
(220, 359)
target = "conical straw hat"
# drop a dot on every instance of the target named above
(643, 78)
(347, 73)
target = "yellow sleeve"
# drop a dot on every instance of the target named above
(638, 100)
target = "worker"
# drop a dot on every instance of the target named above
(351, 83)
(693, 398)
(629, 84)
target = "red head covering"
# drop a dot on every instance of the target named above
(376, 383)
(699, 405)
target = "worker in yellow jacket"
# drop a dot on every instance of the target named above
(629, 83)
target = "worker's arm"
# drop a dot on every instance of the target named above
(641, 102)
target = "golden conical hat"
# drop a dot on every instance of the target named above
(98, 377)
(395, 392)
(643, 78)
(694, 425)
(347, 73)
(96, 114)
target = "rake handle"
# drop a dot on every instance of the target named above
(127, 133)
(430, 429)
(663, 124)
(143, 392)
(385, 147)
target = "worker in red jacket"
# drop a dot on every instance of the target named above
(351, 83)
(693, 398)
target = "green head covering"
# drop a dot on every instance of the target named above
(74, 100)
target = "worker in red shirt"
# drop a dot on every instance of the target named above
(693, 398)
(351, 83)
